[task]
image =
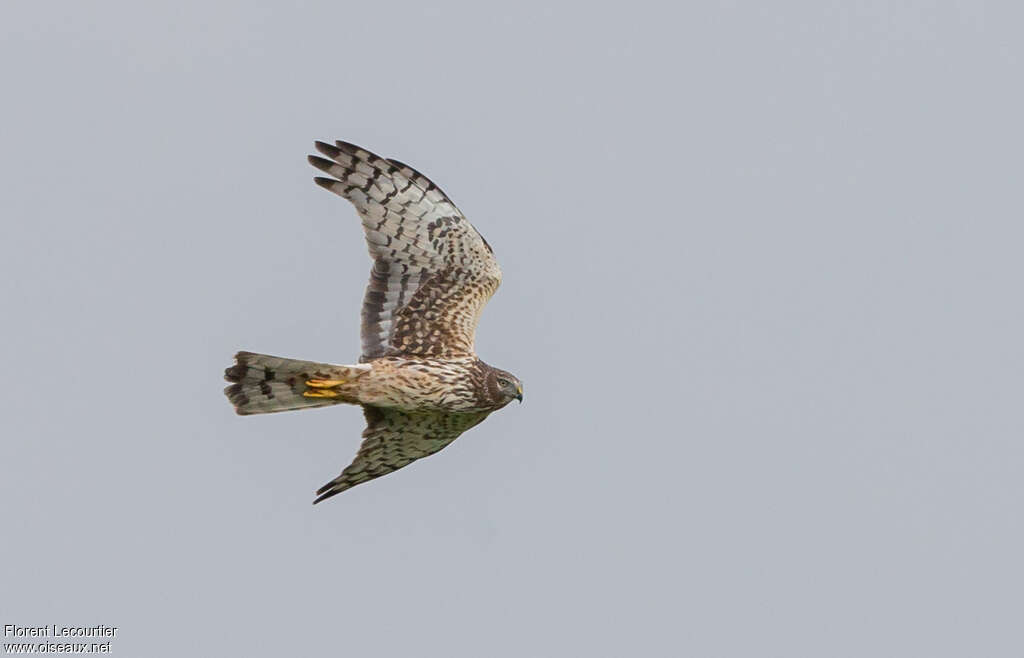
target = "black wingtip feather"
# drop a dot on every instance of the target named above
(326, 183)
(329, 490)
(327, 149)
(350, 148)
(321, 163)
(327, 495)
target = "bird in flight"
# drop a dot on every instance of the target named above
(418, 380)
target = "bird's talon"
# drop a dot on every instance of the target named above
(324, 383)
(320, 394)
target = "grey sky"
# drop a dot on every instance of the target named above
(762, 282)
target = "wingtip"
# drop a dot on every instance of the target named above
(322, 164)
(327, 149)
(326, 183)
(356, 151)
(321, 498)
(352, 149)
(329, 490)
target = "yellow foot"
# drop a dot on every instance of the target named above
(324, 383)
(320, 394)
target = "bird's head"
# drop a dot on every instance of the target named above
(504, 386)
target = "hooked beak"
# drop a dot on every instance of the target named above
(519, 391)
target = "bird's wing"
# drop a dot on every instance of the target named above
(432, 271)
(393, 439)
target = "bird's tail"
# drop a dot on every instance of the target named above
(262, 384)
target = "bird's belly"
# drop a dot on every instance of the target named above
(417, 387)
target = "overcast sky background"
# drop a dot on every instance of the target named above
(762, 282)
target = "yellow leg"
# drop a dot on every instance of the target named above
(320, 394)
(324, 383)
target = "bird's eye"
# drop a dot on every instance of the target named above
(504, 383)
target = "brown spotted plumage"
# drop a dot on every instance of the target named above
(419, 380)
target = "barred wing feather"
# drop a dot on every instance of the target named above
(432, 271)
(394, 439)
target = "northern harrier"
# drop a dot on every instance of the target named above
(418, 380)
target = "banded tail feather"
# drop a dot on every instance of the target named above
(262, 384)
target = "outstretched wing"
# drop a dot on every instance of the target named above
(393, 439)
(432, 271)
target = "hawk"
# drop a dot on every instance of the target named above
(418, 380)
